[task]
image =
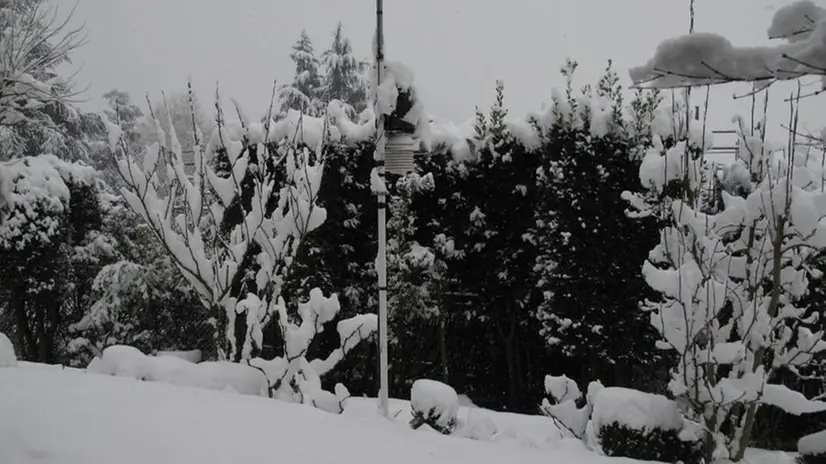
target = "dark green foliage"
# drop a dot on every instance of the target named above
(811, 459)
(342, 80)
(647, 445)
(588, 267)
(432, 419)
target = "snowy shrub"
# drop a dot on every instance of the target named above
(641, 426)
(647, 445)
(732, 273)
(434, 404)
(146, 306)
(50, 246)
(562, 407)
(7, 356)
(812, 449)
(292, 377)
(234, 226)
(127, 361)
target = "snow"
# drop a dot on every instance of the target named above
(91, 419)
(129, 362)
(7, 356)
(706, 58)
(562, 389)
(193, 356)
(435, 399)
(812, 444)
(635, 409)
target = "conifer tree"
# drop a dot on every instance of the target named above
(342, 79)
(304, 92)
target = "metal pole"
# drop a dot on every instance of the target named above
(381, 267)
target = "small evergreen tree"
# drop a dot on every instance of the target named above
(342, 80)
(305, 92)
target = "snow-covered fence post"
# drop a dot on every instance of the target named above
(729, 279)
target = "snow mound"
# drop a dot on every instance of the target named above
(635, 409)
(435, 399)
(126, 361)
(7, 356)
(812, 444)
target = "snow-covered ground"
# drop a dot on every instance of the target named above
(51, 415)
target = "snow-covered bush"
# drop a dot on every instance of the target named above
(562, 407)
(641, 426)
(7, 356)
(434, 404)
(730, 277)
(812, 449)
(50, 244)
(291, 376)
(127, 361)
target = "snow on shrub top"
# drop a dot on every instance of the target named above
(129, 362)
(635, 409)
(562, 389)
(812, 444)
(430, 395)
(7, 356)
(32, 186)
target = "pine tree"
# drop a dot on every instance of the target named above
(342, 80)
(304, 93)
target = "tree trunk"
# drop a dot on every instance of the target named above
(24, 331)
(443, 349)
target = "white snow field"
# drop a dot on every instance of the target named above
(50, 415)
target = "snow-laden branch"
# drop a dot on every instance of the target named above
(34, 40)
(270, 179)
(291, 376)
(707, 59)
(729, 278)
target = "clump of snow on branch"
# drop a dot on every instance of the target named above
(706, 58)
(292, 377)
(7, 356)
(126, 361)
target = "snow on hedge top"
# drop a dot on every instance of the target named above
(812, 444)
(635, 409)
(705, 58)
(434, 399)
(7, 356)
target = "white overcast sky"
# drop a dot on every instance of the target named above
(457, 48)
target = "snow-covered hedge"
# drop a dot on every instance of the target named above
(812, 448)
(126, 361)
(637, 425)
(434, 404)
(7, 356)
